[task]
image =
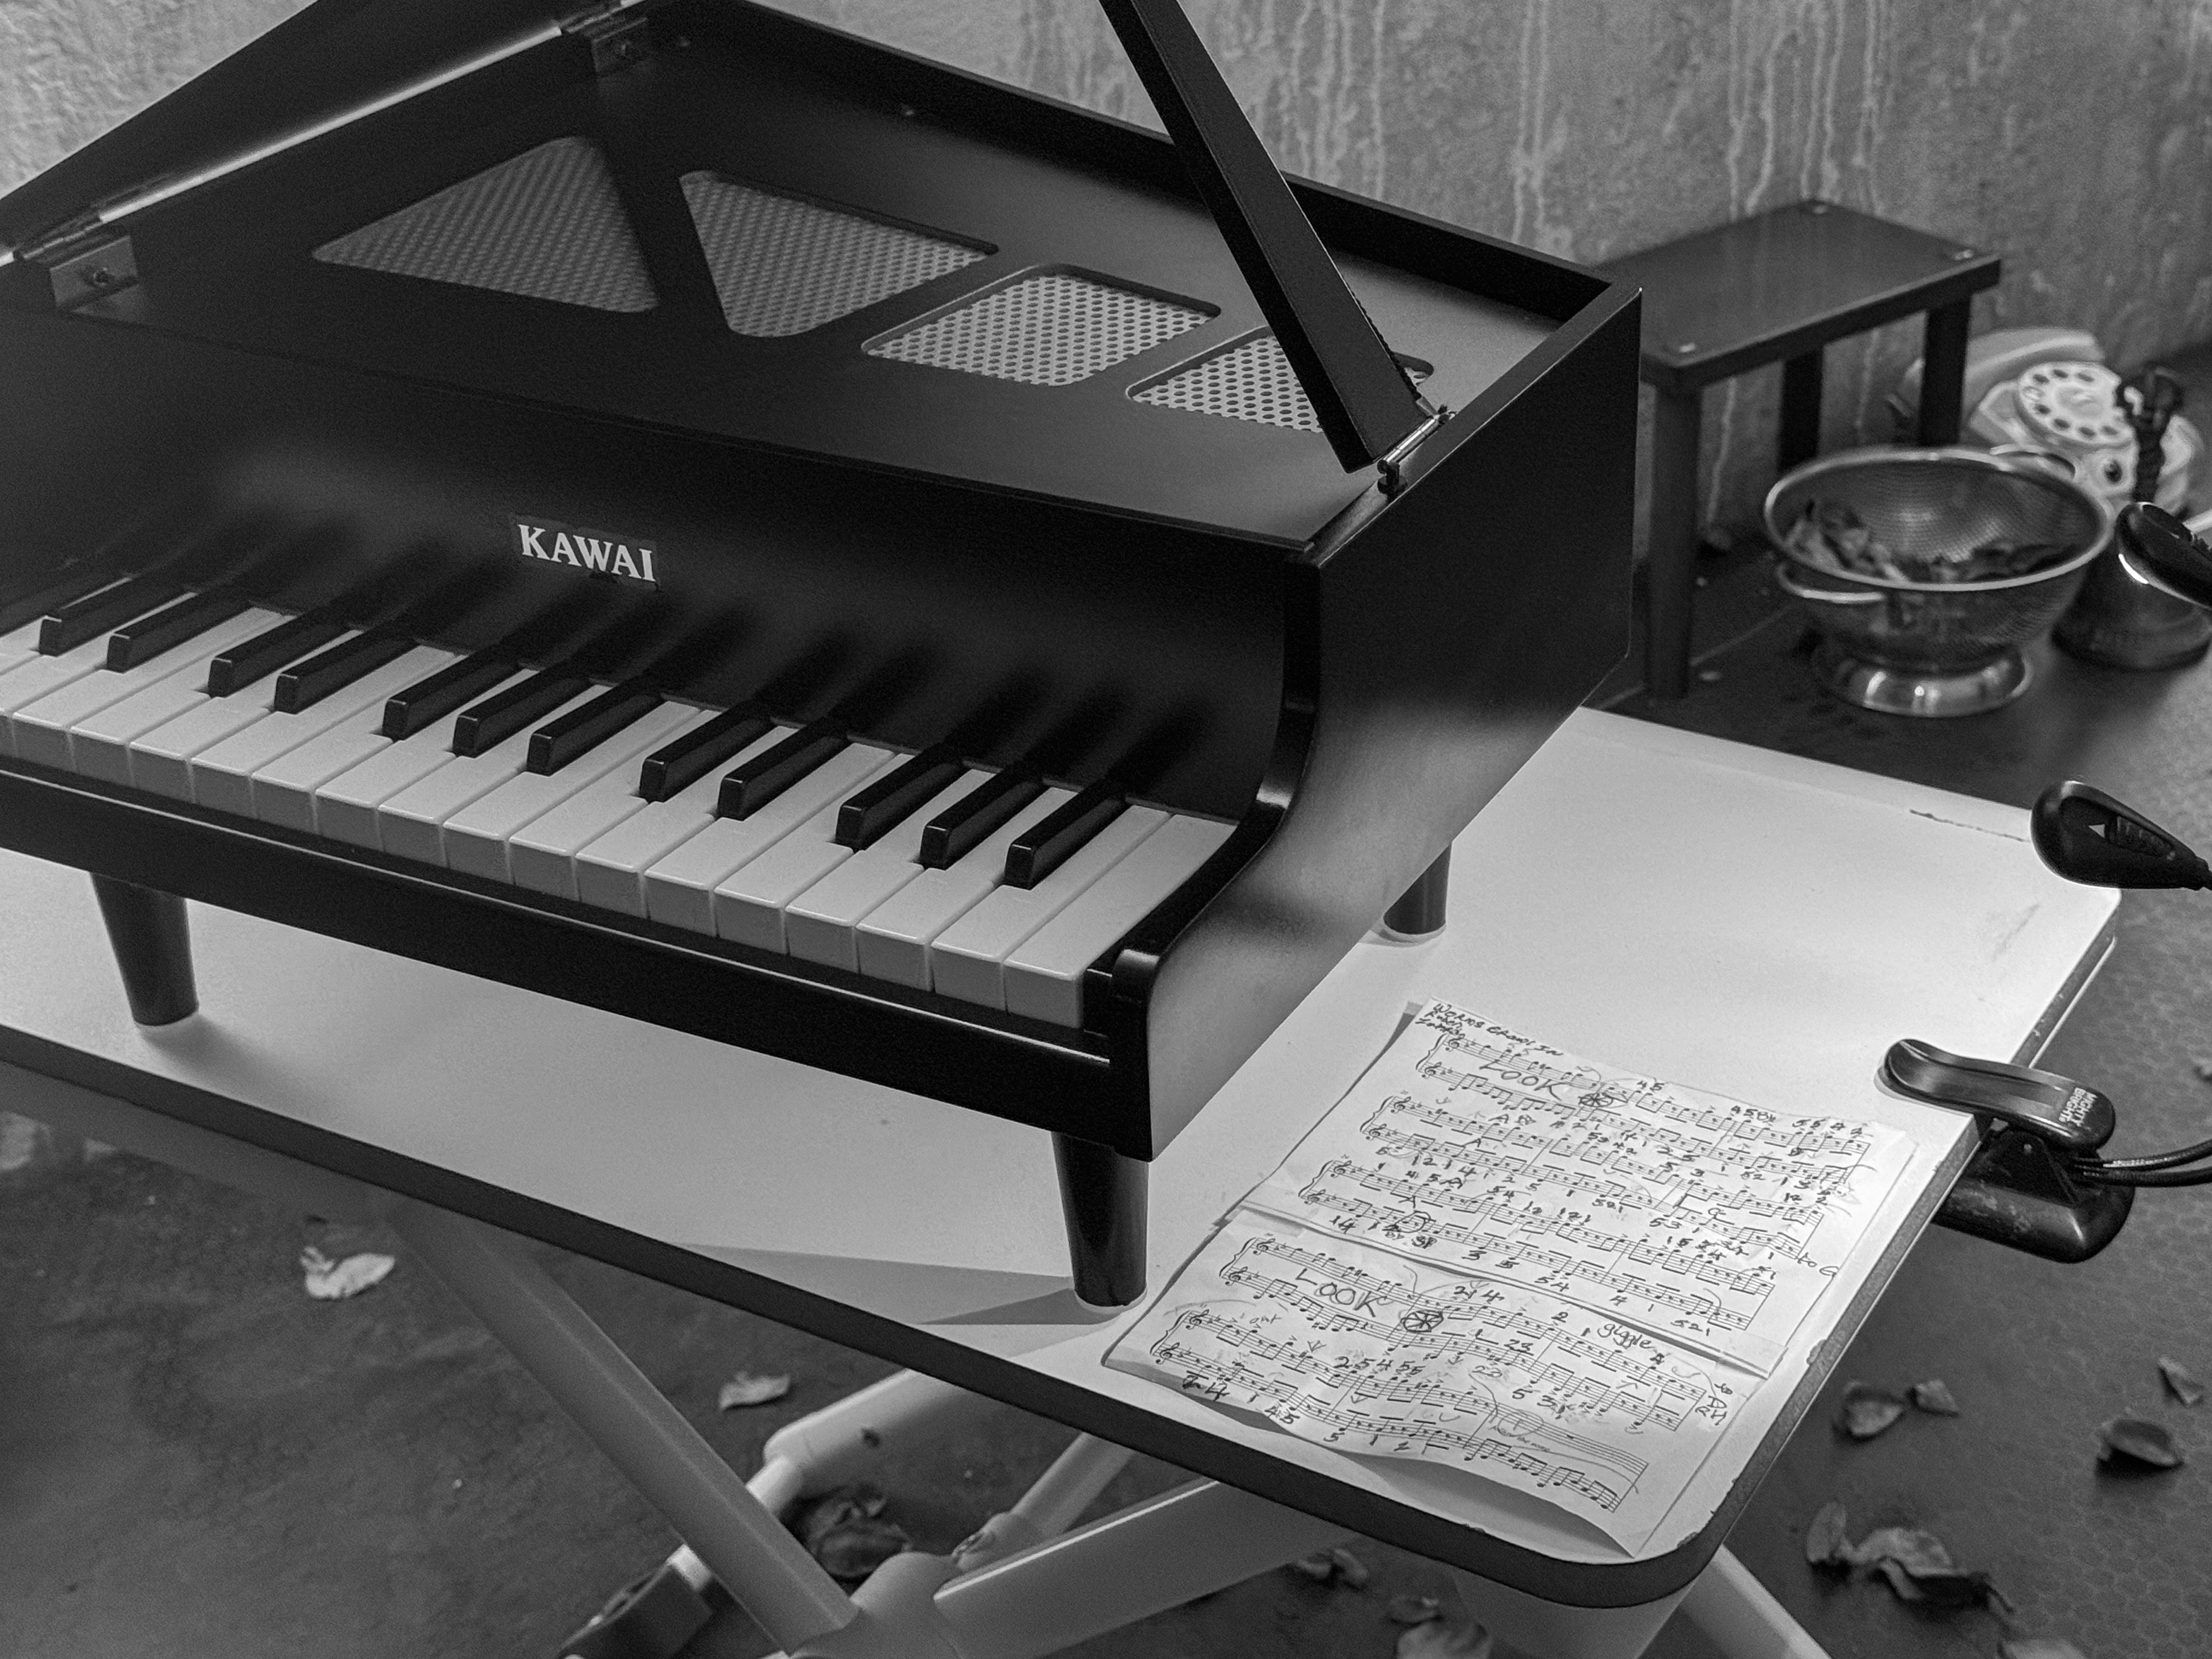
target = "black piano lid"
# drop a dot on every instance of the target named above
(762, 99)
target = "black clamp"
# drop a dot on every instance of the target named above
(2037, 1183)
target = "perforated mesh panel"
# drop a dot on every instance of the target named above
(1048, 329)
(1251, 381)
(547, 224)
(782, 266)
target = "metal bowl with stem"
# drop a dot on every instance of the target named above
(1930, 647)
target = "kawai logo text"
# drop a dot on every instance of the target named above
(629, 559)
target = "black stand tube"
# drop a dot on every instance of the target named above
(1418, 913)
(153, 947)
(1102, 1196)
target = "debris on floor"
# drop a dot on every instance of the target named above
(1445, 1638)
(334, 1281)
(2039, 1647)
(1934, 1396)
(2180, 1382)
(746, 1389)
(1334, 1566)
(846, 1530)
(1866, 1411)
(2137, 1443)
(1413, 1609)
(1914, 1563)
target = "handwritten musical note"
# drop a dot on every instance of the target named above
(1496, 1256)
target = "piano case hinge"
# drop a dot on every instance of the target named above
(83, 260)
(619, 36)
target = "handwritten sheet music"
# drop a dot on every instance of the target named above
(1492, 1253)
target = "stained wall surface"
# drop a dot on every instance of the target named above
(2074, 139)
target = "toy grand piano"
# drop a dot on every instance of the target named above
(686, 511)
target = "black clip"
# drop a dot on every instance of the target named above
(2026, 1187)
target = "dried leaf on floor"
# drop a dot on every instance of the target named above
(1866, 1411)
(334, 1281)
(2039, 1647)
(746, 1389)
(2181, 1383)
(1943, 1587)
(2137, 1441)
(1445, 1638)
(1413, 1609)
(1909, 1547)
(1334, 1566)
(846, 1531)
(1934, 1395)
(1826, 1543)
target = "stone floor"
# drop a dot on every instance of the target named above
(197, 1460)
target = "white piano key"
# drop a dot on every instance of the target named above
(968, 960)
(542, 855)
(610, 872)
(820, 924)
(346, 804)
(162, 759)
(222, 773)
(679, 888)
(40, 677)
(47, 730)
(410, 823)
(100, 745)
(895, 937)
(477, 836)
(750, 902)
(20, 645)
(1044, 975)
(287, 790)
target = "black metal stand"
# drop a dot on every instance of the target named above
(1418, 913)
(153, 948)
(1102, 1197)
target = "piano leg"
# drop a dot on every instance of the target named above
(1102, 1195)
(1418, 913)
(153, 947)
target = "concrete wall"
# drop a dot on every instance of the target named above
(2074, 136)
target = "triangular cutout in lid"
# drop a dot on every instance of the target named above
(783, 265)
(546, 224)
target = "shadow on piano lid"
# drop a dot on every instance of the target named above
(776, 537)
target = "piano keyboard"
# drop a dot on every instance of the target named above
(919, 871)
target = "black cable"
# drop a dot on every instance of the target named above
(2103, 1175)
(2162, 1160)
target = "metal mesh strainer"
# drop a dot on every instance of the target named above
(1922, 503)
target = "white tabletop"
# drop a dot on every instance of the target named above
(1736, 921)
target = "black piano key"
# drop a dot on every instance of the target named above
(454, 686)
(677, 765)
(752, 785)
(270, 650)
(307, 683)
(150, 637)
(867, 815)
(1053, 839)
(583, 728)
(27, 601)
(70, 625)
(504, 714)
(954, 833)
